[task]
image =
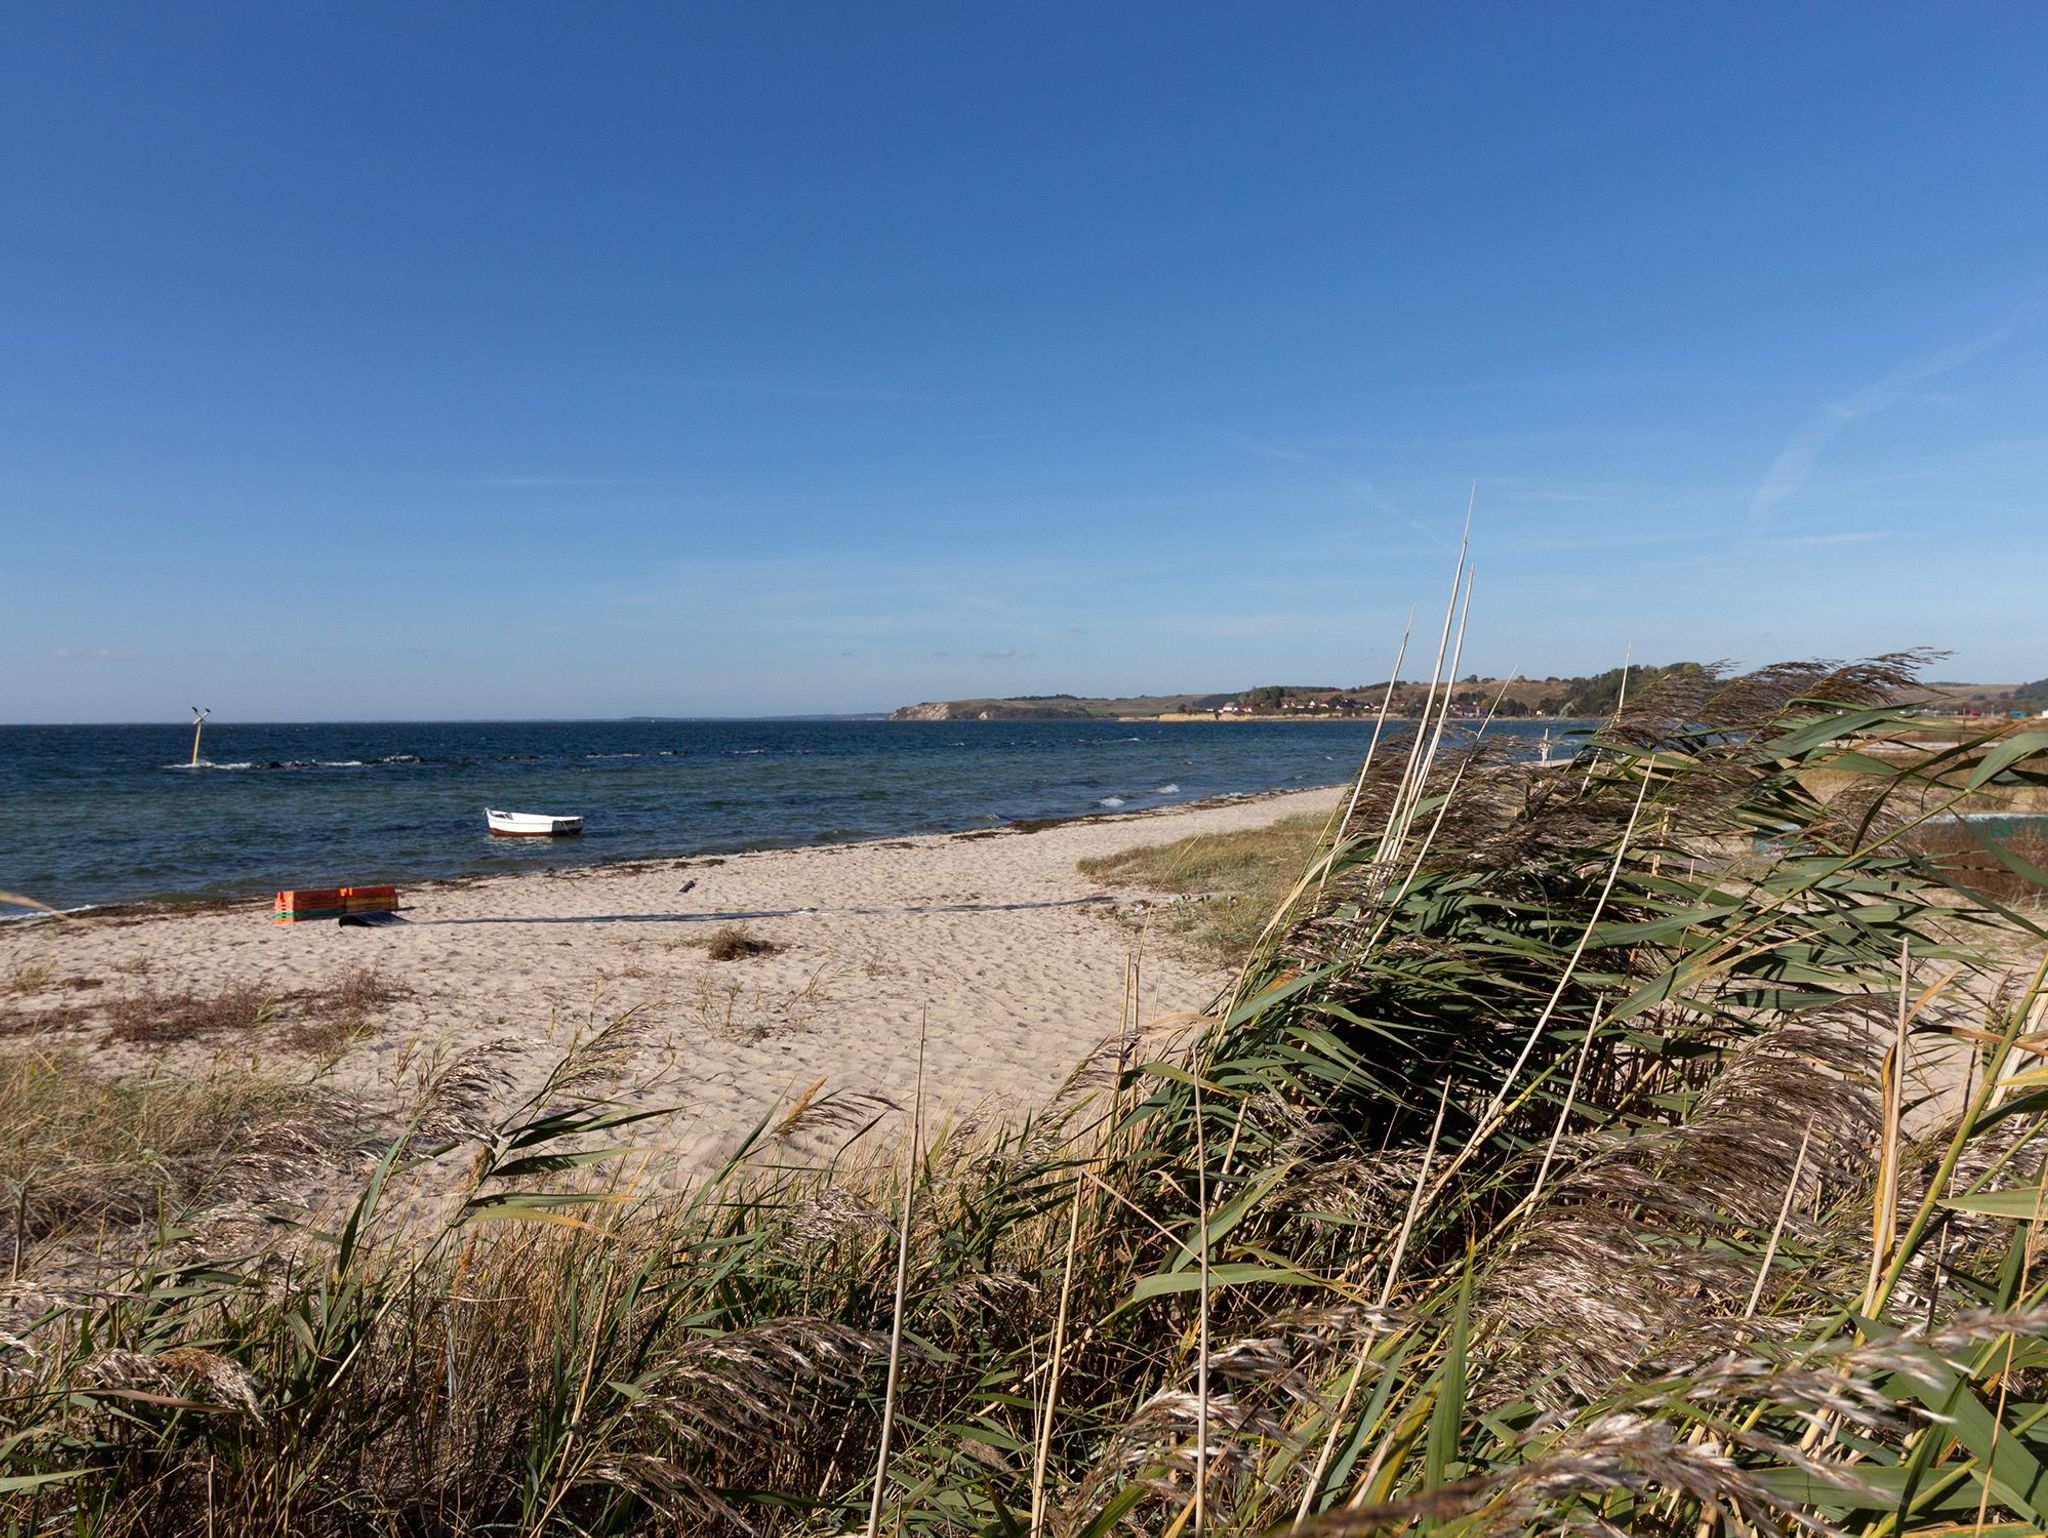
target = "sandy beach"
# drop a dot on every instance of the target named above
(1016, 961)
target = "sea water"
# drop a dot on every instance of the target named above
(100, 814)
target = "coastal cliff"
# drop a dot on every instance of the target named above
(1068, 709)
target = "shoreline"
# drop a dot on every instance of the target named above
(1016, 960)
(175, 905)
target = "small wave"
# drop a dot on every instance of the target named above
(1111, 801)
(1168, 789)
(205, 764)
(611, 755)
(44, 913)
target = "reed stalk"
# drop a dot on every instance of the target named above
(910, 1169)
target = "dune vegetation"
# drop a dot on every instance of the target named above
(1647, 1143)
(1227, 885)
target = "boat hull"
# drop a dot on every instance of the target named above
(531, 825)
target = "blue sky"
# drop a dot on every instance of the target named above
(463, 361)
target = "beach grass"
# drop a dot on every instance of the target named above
(30, 976)
(1239, 878)
(84, 1153)
(1543, 1169)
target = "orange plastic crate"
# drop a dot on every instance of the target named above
(320, 902)
(370, 899)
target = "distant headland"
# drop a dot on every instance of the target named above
(1580, 698)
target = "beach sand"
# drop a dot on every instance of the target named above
(1015, 961)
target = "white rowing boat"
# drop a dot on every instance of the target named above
(531, 824)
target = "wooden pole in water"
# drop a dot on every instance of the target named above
(198, 719)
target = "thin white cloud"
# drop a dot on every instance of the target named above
(1286, 452)
(1796, 460)
(92, 654)
(1520, 489)
(1850, 537)
(1633, 539)
(1364, 492)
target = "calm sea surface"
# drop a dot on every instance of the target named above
(96, 814)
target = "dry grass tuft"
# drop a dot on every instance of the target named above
(735, 942)
(327, 1020)
(31, 976)
(45, 1022)
(358, 989)
(324, 1020)
(156, 1017)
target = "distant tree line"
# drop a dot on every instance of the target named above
(1602, 693)
(1595, 696)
